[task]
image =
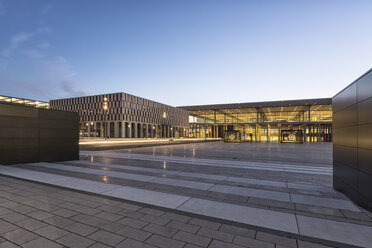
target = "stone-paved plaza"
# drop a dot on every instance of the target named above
(194, 195)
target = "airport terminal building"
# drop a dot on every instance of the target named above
(264, 121)
(121, 115)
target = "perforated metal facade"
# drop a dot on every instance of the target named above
(126, 116)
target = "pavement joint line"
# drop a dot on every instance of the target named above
(211, 161)
(179, 173)
(274, 209)
(221, 163)
(239, 167)
(193, 215)
(254, 206)
(251, 192)
(100, 194)
(116, 146)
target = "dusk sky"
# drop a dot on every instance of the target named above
(183, 52)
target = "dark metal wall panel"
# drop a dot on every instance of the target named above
(365, 180)
(29, 135)
(348, 175)
(346, 136)
(346, 117)
(365, 160)
(364, 87)
(352, 135)
(345, 155)
(345, 98)
(58, 135)
(365, 136)
(18, 134)
(364, 111)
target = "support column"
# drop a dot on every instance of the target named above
(123, 127)
(304, 133)
(255, 133)
(103, 130)
(116, 129)
(94, 129)
(129, 134)
(319, 133)
(141, 130)
(135, 130)
(88, 129)
(108, 131)
(146, 130)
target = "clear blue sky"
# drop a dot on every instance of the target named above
(183, 52)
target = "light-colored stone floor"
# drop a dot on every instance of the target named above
(308, 153)
(293, 201)
(40, 216)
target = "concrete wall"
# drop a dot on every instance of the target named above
(352, 141)
(29, 134)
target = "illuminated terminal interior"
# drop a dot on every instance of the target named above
(263, 121)
(24, 102)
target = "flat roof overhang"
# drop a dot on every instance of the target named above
(284, 103)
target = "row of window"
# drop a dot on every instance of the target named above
(113, 100)
(118, 117)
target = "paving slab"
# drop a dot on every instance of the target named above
(148, 197)
(247, 215)
(125, 167)
(203, 176)
(311, 183)
(183, 183)
(316, 170)
(337, 231)
(312, 187)
(257, 182)
(27, 174)
(123, 175)
(128, 176)
(324, 202)
(267, 194)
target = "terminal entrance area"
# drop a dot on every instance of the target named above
(264, 121)
(263, 132)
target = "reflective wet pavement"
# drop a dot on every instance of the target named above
(285, 204)
(308, 153)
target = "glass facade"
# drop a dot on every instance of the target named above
(264, 123)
